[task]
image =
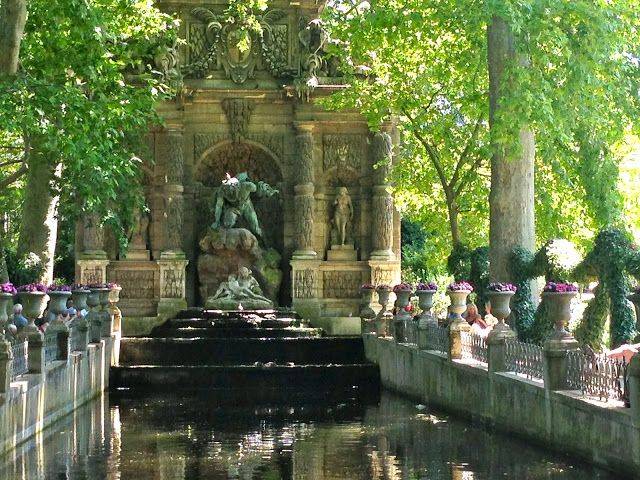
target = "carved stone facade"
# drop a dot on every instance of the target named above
(254, 111)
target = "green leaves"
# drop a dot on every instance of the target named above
(87, 90)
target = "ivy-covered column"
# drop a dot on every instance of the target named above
(305, 265)
(172, 262)
(91, 265)
(381, 201)
(304, 193)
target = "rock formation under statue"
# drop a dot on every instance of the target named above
(233, 268)
(238, 292)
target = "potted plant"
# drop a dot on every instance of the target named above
(458, 293)
(425, 293)
(93, 317)
(383, 317)
(114, 292)
(7, 291)
(500, 297)
(79, 295)
(58, 296)
(366, 312)
(33, 298)
(403, 292)
(559, 296)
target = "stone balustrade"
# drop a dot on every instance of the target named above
(556, 396)
(43, 378)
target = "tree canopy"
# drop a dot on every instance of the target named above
(575, 83)
(85, 90)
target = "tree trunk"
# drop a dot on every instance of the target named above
(4, 273)
(511, 201)
(453, 212)
(13, 16)
(39, 226)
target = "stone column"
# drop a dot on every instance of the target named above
(304, 194)
(382, 203)
(496, 350)
(555, 362)
(92, 261)
(455, 338)
(6, 365)
(172, 262)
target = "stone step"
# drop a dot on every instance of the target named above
(230, 332)
(252, 380)
(196, 312)
(226, 323)
(240, 351)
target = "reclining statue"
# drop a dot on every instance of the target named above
(241, 289)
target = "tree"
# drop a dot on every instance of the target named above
(566, 71)
(84, 93)
(13, 15)
(435, 82)
(511, 201)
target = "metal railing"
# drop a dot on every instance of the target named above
(20, 355)
(473, 346)
(50, 346)
(437, 338)
(524, 359)
(597, 376)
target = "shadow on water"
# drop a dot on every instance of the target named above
(220, 437)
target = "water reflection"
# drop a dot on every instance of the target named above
(172, 438)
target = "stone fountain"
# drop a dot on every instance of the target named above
(234, 269)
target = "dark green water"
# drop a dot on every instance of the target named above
(195, 438)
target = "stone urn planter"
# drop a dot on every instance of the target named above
(58, 303)
(500, 295)
(384, 317)
(425, 302)
(94, 319)
(33, 305)
(79, 297)
(559, 308)
(103, 299)
(114, 311)
(5, 300)
(366, 312)
(403, 294)
(458, 293)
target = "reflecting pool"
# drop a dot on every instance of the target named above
(192, 438)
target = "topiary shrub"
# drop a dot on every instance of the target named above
(459, 262)
(590, 331)
(523, 309)
(479, 276)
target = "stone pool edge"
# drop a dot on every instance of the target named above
(561, 420)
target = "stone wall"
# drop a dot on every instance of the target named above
(256, 112)
(600, 433)
(34, 401)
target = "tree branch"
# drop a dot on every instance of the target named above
(11, 162)
(465, 153)
(432, 153)
(467, 176)
(6, 182)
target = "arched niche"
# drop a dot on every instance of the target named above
(261, 165)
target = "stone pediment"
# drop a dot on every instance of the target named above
(290, 49)
(214, 49)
